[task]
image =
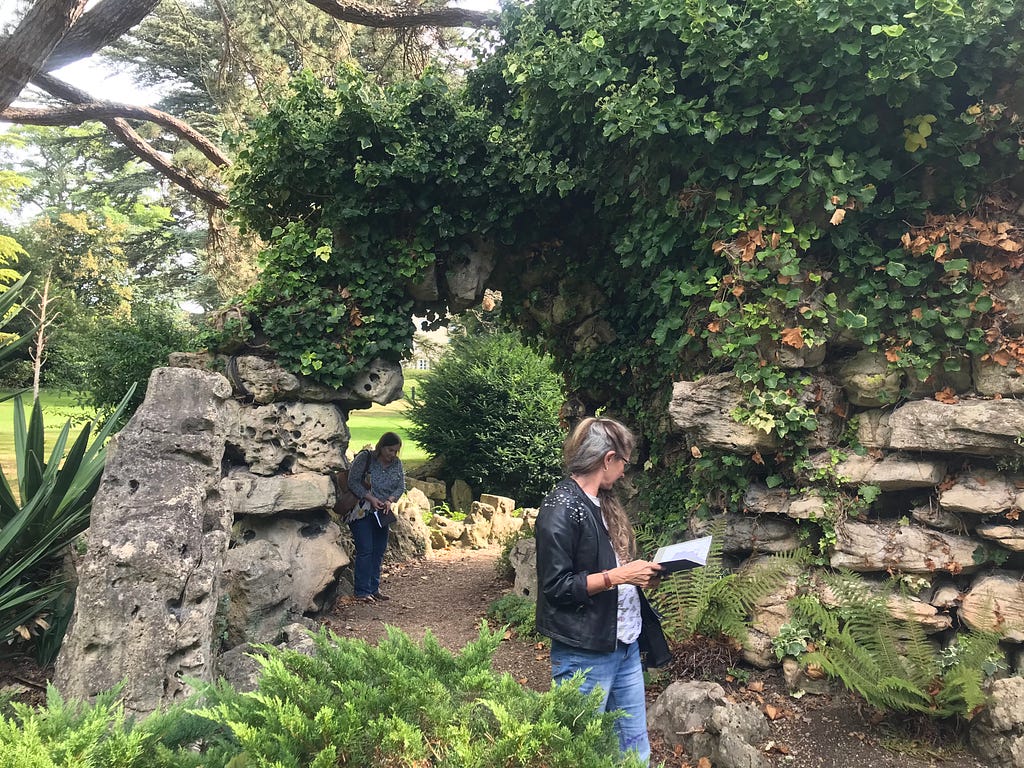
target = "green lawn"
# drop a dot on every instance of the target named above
(58, 407)
(366, 425)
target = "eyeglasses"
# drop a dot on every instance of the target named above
(626, 463)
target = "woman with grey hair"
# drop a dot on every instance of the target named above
(588, 599)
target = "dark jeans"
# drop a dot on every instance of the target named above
(371, 540)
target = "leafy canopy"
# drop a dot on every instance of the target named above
(696, 184)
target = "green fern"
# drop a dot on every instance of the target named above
(714, 602)
(888, 660)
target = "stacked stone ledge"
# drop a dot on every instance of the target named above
(948, 507)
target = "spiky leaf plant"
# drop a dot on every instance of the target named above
(51, 508)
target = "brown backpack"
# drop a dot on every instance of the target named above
(345, 500)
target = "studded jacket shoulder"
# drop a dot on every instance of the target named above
(571, 544)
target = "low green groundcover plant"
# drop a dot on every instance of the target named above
(398, 703)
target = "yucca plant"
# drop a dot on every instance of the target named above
(51, 508)
(11, 343)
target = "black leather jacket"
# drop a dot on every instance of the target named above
(571, 544)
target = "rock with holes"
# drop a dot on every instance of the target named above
(238, 667)
(279, 570)
(265, 381)
(290, 437)
(147, 593)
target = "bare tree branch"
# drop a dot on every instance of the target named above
(97, 29)
(135, 142)
(108, 110)
(27, 48)
(356, 12)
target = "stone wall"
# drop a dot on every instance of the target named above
(211, 528)
(944, 458)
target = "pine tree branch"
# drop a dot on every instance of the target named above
(75, 114)
(135, 142)
(367, 15)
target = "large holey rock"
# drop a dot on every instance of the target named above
(265, 381)
(291, 437)
(148, 585)
(280, 569)
(907, 548)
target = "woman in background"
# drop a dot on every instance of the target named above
(588, 598)
(378, 480)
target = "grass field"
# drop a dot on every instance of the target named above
(366, 425)
(58, 407)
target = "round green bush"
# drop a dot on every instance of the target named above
(490, 409)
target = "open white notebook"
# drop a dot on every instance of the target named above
(684, 555)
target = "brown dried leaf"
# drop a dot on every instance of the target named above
(793, 337)
(947, 396)
(695, 452)
(756, 686)
(837, 217)
(757, 458)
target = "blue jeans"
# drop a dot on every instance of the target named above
(621, 679)
(371, 540)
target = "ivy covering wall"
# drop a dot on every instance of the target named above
(672, 188)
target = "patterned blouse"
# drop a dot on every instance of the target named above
(630, 623)
(385, 482)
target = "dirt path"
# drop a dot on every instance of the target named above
(449, 594)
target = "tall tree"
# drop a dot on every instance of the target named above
(54, 33)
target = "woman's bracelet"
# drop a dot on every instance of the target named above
(607, 580)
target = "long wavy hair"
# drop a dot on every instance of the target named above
(583, 453)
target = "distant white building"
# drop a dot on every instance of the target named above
(427, 347)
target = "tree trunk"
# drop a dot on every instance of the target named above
(356, 12)
(97, 29)
(24, 52)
